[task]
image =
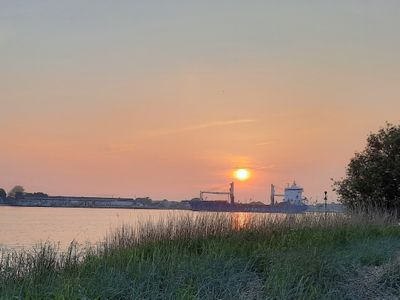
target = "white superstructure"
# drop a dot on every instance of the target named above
(293, 194)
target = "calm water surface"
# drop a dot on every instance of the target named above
(23, 227)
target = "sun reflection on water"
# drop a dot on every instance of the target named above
(240, 220)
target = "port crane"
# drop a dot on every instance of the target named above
(274, 194)
(230, 193)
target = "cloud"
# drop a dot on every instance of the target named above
(118, 148)
(258, 167)
(268, 167)
(201, 126)
(220, 123)
(266, 143)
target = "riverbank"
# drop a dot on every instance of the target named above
(93, 202)
(208, 257)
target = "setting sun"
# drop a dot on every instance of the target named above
(242, 174)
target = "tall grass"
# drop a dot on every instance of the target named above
(224, 256)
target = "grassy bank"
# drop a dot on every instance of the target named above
(209, 257)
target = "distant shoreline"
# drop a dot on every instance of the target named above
(122, 203)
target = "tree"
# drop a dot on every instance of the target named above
(36, 195)
(3, 194)
(16, 191)
(373, 176)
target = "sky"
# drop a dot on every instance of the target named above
(166, 98)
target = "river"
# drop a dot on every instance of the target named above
(23, 227)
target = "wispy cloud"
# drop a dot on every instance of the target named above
(267, 167)
(256, 167)
(266, 143)
(200, 126)
(112, 149)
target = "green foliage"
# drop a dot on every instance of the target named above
(3, 194)
(15, 191)
(373, 176)
(293, 257)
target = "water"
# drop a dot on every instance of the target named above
(23, 227)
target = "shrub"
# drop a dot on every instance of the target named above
(373, 175)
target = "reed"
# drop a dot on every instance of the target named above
(224, 256)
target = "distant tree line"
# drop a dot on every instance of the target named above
(18, 192)
(3, 194)
(15, 192)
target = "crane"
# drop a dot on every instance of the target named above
(274, 194)
(230, 193)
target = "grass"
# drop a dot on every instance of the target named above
(218, 257)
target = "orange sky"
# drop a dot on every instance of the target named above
(167, 106)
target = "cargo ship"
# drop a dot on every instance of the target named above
(293, 202)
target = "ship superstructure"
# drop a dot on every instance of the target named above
(293, 195)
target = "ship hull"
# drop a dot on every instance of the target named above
(218, 206)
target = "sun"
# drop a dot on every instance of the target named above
(242, 174)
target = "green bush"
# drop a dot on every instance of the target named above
(373, 176)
